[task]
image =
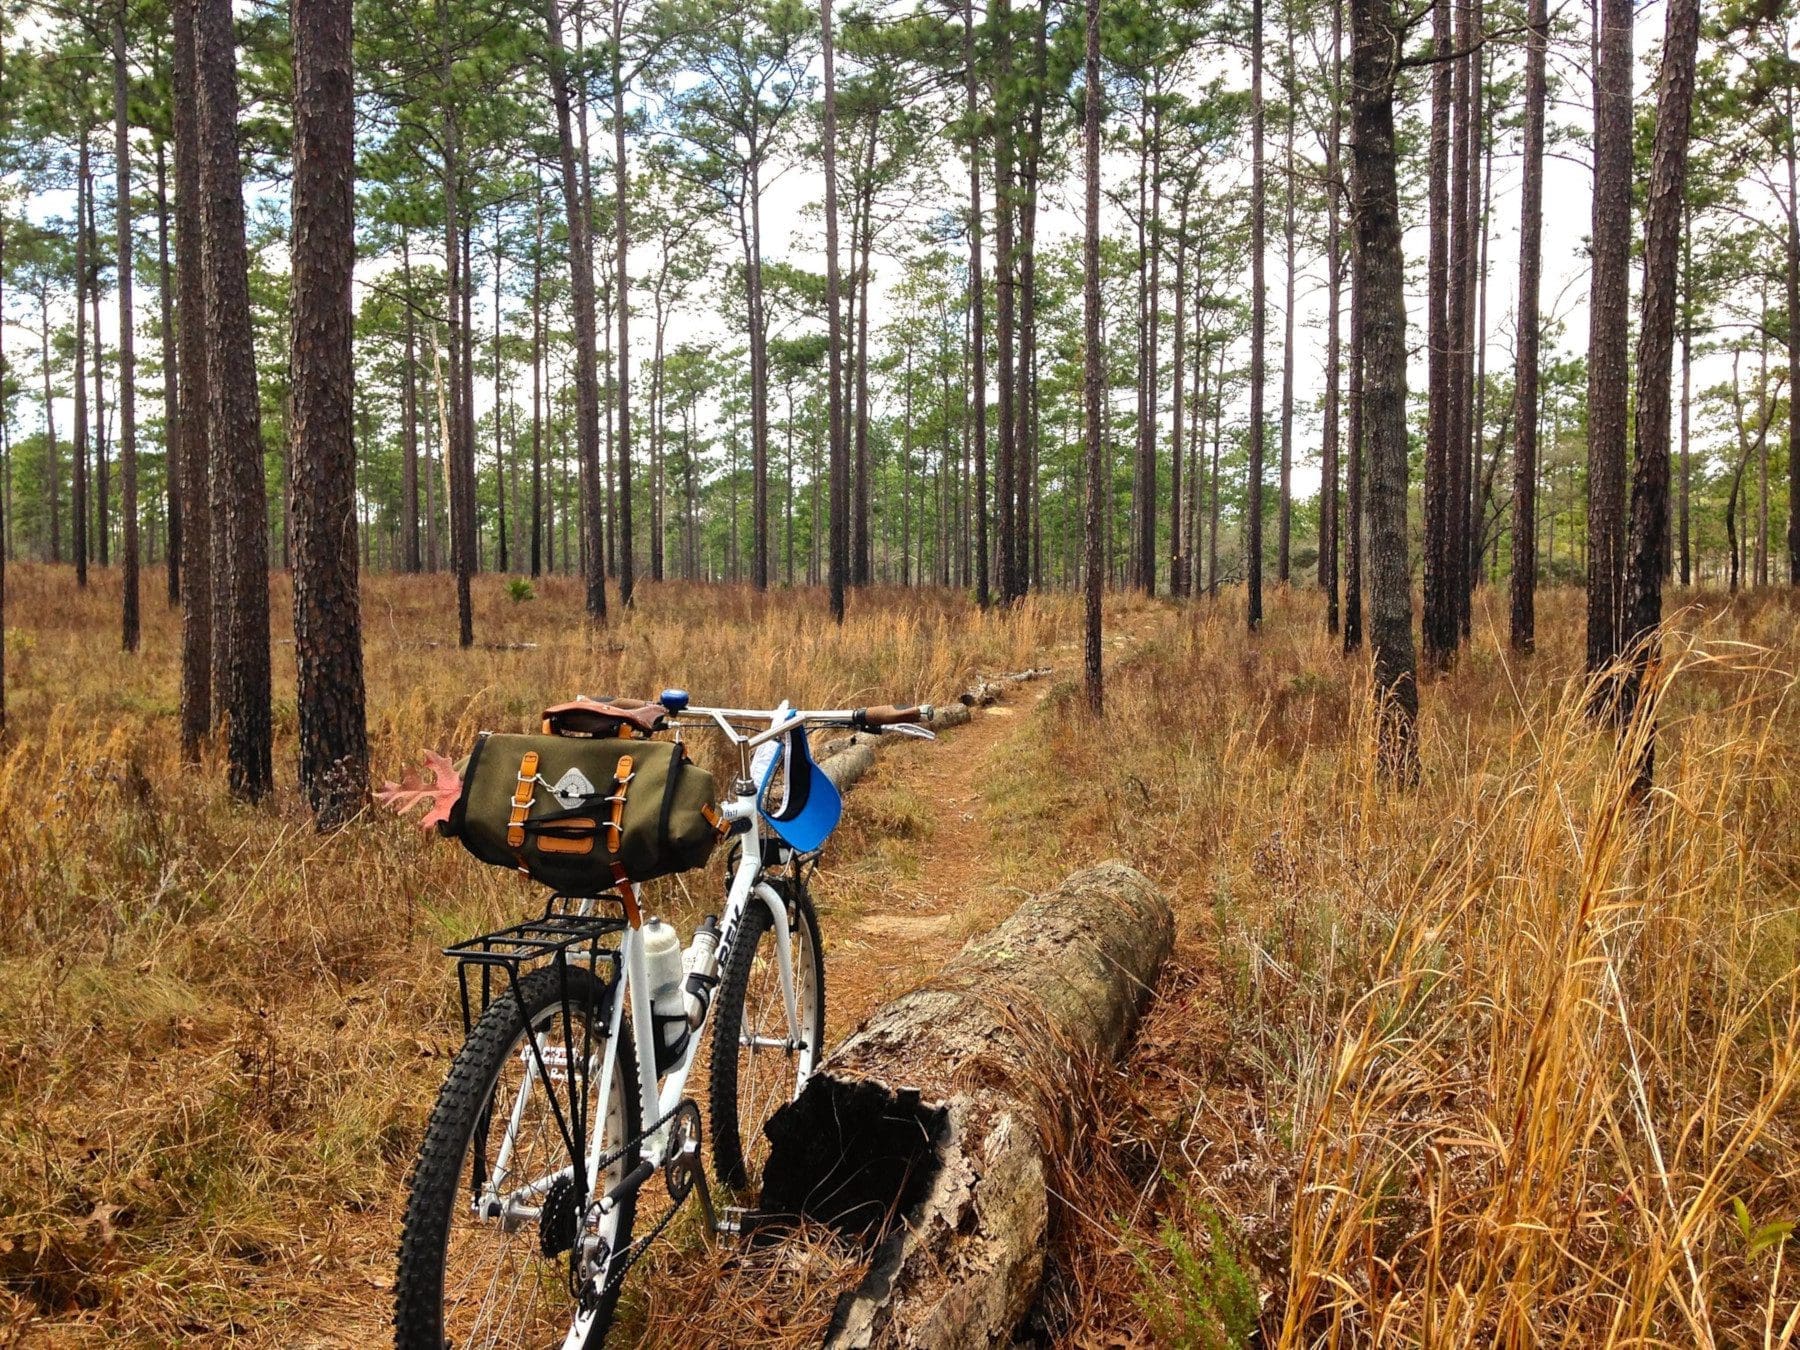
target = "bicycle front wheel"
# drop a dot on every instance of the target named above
(758, 1064)
(494, 1215)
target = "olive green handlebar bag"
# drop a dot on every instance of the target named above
(573, 812)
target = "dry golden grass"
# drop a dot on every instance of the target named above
(1490, 1060)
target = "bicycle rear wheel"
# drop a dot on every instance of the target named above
(485, 1255)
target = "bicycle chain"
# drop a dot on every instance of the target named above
(620, 1264)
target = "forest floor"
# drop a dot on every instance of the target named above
(1500, 1057)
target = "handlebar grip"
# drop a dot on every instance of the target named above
(889, 716)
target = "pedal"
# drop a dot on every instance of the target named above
(732, 1219)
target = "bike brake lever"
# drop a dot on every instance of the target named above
(910, 729)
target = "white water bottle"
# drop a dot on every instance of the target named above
(668, 1004)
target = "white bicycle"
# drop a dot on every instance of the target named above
(529, 1200)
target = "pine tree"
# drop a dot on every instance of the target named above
(234, 432)
(334, 747)
(1382, 304)
(1607, 320)
(194, 396)
(1523, 628)
(1649, 537)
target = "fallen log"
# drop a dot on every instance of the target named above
(988, 691)
(847, 758)
(922, 1137)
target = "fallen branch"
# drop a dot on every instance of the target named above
(922, 1136)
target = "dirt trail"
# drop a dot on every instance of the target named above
(906, 933)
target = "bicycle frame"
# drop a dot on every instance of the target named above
(659, 1097)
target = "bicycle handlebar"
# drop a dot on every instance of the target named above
(890, 716)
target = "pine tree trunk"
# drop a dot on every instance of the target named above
(1253, 493)
(1005, 489)
(1792, 156)
(839, 547)
(78, 501)
(1481, 187)
(1687, 385)
(102, 496)
(1147, 474)
(234, 428)
(199, 532)
(129, 618)
(1649, 539)
(621, 256)
(1523, 632)
(52, 456)
(171, 381)
(334, 747)
(537, 394)
(1334, 286)
(1457, 330)
(863, 554)
(1438, 628)
(502, 558)
(409, 421)
(1094, 429)
(976, 549)
(1382, 302)
(1177, 586)
(1212, 532)
(1355, 451)
(1607, 370)
(1285, 505)
(581, 287)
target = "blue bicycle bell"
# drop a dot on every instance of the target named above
(675, 700)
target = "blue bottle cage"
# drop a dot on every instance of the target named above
(804, 806)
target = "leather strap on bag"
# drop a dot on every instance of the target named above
(615, 824)
(714, 818)
(521, 805)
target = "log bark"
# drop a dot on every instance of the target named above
(925, 1134)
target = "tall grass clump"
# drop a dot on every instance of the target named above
(1508, 1058)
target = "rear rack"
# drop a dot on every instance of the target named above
(561, 935)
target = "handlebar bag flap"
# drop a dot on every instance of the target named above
(548, 806)
(803, 806)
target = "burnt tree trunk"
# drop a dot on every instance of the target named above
(78, 498)
(192, 387)
(1648, 552)
(1382, 304)
(1259, 320)
(171, 380)
(621, 256)
(1285, 505)
(409, 421)
(937, 1112)
(1094, 426)
(1438, 628)
(334, 743)
(1607, 370)
(1329, 452)
(1523, 633)
(977, 320)
(839, 547)
(129, 618)
(234, 428)
(1006, 551)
